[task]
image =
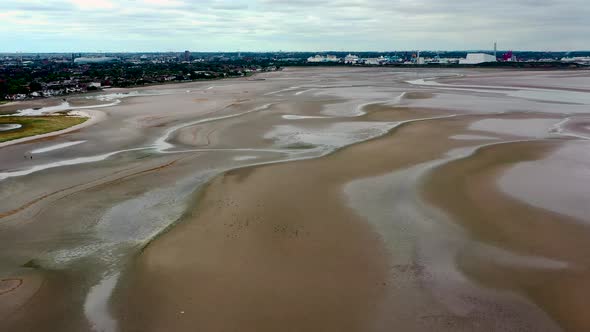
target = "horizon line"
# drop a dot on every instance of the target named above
(283, 51)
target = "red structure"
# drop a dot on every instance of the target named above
(507, 56)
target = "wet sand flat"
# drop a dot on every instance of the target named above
(302, 200)
(21, 105)
(276, 248)
(559, 281)
(278, 251)
(560, 80)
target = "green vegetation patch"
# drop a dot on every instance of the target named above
(36, 125)
(300, 146)
(32, 264)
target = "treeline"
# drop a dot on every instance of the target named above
(26, 79)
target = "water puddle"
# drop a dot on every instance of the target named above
(56, 147)
(10, 126)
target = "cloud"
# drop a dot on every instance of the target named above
(93, 4)
(211, 25)
(164, 3)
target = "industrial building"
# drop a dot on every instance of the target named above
(583, 60)
(327, 58)
(186, 56)
(351, 59)
(88, 60)
(376, 61)
(476, 58)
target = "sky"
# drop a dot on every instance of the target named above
(292, 25)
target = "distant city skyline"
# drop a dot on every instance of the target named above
(291, 25)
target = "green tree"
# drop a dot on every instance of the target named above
(35, 86)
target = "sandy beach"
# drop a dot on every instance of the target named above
(312, 199)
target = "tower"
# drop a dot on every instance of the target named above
(495, 50)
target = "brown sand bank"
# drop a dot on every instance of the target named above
(275, 248)
(549, 258)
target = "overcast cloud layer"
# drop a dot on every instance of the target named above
(292, 25)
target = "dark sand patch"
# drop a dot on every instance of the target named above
(419, 95)
(85, 102)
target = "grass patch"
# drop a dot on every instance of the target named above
(300, 146)
(36, 125)
(32, 264)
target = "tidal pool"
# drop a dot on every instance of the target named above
(10, 126)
